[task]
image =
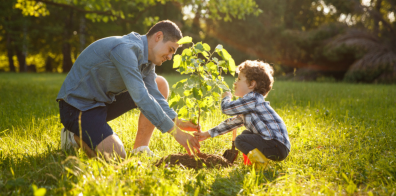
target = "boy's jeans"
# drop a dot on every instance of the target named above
(272, 149)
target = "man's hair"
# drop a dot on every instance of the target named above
(260, 72)
(170, 30)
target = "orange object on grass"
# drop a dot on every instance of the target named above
(246, 160)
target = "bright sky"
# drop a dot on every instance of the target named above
(366, 2)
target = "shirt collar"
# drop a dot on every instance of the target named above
(145, 45)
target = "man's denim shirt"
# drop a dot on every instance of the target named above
(114, 65)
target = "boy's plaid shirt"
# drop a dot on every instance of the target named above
(256, 114)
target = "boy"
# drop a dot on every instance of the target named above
(266, 135)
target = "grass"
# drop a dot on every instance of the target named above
(342, 135)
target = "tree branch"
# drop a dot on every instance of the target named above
(106, 13)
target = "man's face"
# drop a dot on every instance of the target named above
(163, 51)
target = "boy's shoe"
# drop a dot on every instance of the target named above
(142, 149)
(258, 159)
(67, 140)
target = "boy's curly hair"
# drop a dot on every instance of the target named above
(260, 72)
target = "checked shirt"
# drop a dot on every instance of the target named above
(256, 114)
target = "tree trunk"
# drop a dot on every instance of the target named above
(48, 64)
(376, 19)
(82, 33)
(21, 59)
(10, 53)
(66, 48)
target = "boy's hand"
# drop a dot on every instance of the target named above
(202, 135)
(226, 94)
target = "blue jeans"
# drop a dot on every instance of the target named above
(272, 149)
(94, 121)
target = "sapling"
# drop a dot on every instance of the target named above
(201, 88)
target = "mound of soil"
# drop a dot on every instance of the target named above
(194, 162)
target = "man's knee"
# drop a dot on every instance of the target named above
(111, 145)
(163, 86)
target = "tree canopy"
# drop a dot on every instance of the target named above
(351, 40)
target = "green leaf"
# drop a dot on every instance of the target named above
(176, 61)
(208, 87)
(183, 112)
(222, 64)
(206, 47)
(231, 66)
(197, 93)
(179, 84)
(187, 52)
(205, 54)
(199, 47)
(38, 191)
(224, 86)
(216, 60)
(216, 96)
(187, 93)
(185, 40)
(189, 103)
(195, 62)
(174, 99)
(105, 19)
(219, 48)
(211, 67)
(195, 121)
(225, 54)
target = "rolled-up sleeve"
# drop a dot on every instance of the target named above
(124, 58)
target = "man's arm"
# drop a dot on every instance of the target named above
(150, 82)
(125, 59)
(152, 88)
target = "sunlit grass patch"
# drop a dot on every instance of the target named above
(342, 138)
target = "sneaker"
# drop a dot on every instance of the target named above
(142, 149)
(67, 140)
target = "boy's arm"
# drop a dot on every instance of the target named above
(243, 105)
(226, 126)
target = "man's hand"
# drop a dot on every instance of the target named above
(202, 135)
(189, 142)
(226, 94)
(187, 125)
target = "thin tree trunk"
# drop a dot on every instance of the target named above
(10, 53)
(48, 64)
(82, 33)
(376, 19)
(21, 59)
(66, 48)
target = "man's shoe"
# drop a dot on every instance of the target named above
(258, 159)
(142, 149)
(67, 140)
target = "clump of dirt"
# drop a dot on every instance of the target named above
(195, 162)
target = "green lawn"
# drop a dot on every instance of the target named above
(342, 135)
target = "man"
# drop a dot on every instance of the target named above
(112, 76)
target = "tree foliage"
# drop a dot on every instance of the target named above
(201, 89)
(298, 34)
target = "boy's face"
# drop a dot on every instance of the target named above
(242, 87)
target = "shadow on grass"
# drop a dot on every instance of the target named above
(244, 180)
(47, 170)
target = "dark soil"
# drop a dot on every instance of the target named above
(194, 162)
